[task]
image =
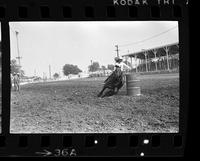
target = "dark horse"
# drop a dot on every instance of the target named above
(114, 82)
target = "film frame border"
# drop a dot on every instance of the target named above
(108, 144)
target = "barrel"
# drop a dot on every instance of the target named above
(132, 85)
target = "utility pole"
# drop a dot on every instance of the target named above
(49, 71)
(117, 49)
(91, 66)
(18, 57)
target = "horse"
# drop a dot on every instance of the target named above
(113, 83)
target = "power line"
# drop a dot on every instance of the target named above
(137, 42)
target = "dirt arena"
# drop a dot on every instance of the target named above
(72, 106)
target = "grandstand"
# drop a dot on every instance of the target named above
(161, 58)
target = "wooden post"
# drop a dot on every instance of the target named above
(136, 62)
(149, 62)
(131, 63)
(167, 54)
(159, 63)
(155, 52)
(143, 68)
(145, 54)
(139, 69)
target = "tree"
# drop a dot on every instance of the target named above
(15, 68)
(22, 73)
(56, 75)
(71, 69)
(103, 68)
(110, 66)
(94, 67)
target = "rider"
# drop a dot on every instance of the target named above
(16, 81)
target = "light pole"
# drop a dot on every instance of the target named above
(117, 49)
(18, 57)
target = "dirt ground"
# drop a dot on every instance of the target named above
(72, 106)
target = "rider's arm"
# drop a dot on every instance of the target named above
(126, 66)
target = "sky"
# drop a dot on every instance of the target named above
(58, 43)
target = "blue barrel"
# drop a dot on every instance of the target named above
(132, 85)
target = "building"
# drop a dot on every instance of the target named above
(161, 58)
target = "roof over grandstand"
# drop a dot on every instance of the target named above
(160, 51)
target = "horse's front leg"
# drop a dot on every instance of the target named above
(116, 91)
(100, 93)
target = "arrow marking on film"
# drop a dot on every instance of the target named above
(45, 153)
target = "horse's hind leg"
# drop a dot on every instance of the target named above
(119, 87)
(100, 93)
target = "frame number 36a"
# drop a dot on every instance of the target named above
(64, 152)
